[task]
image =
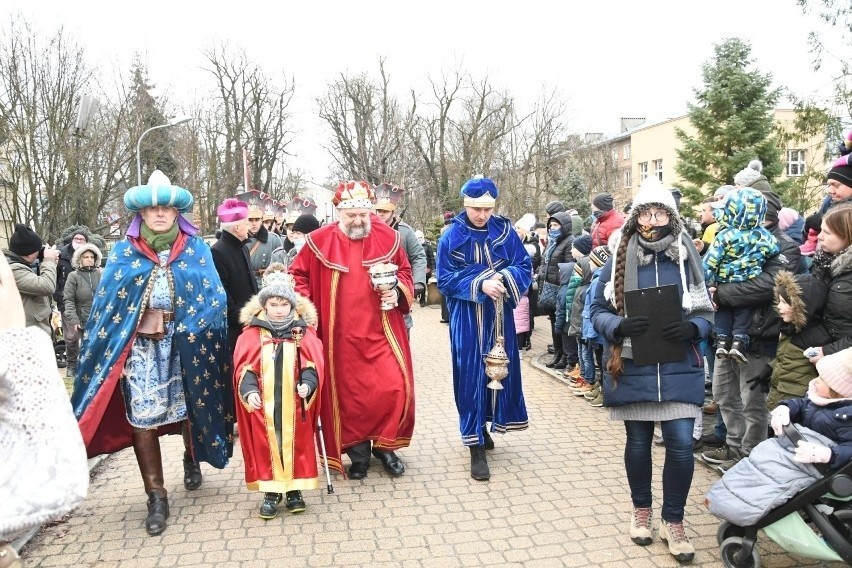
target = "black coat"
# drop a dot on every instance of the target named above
(837, 317)
(561, 253)
(232, 264)
(63, 269)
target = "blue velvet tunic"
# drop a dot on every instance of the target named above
(466, 258)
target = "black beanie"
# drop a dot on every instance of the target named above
(603, 201)
(583, 244)
(306, 223)
(554, 207)
(24, 241)
(843, 174)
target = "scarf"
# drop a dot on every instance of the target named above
(552, 236)
(159, 241)
(282, 326)
(641, 252)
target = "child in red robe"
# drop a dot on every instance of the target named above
(278, 369)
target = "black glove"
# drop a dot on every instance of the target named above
(680, 331)
(761, 381)
(419, 288)
(631, 327)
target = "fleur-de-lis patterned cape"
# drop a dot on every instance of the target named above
(200, 336)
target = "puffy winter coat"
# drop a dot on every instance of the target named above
(837, 316)
(791, 370)
(521, 315)
(679, 381)
(604, 226)
(80, 287)
(561, 252)
(581, 278)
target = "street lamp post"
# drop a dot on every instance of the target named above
(173, 122)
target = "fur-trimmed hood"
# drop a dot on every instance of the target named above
(805, 294)
(75, 259)
(305, 310)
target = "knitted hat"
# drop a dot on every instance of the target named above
(773, 206)
(24, 241)
(787, 217)
(750, 174)
(84, 233)
(603, 201)
(841, 173)
(554, 207)
(479, 191)
(306, 223)
(232, 210)
(836, 371)
(277, 284)
(651, 192)
(583, 244)
(526, 222)
(599, 255)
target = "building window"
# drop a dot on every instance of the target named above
(627, 178)
(626, 151)
(643, 170)
(615, 155)
(795, 163)
(658, 169)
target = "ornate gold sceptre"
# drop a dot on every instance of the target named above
(497, 361)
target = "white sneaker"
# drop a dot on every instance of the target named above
(679, 545)
(640, 526)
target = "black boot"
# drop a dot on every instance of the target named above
(269, 506)
(489, 443)
(478, 466)
(558, 359)
(146, 444)
(191, 469)
(158, 513)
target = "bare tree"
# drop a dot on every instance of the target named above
(367, 127)
(40, 85)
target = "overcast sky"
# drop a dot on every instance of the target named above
(607, 59)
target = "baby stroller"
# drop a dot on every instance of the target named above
(824, 504)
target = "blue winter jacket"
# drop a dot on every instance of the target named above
(680, 381)
(834, 421)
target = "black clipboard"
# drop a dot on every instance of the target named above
(661, 305)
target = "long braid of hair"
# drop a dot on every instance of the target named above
(615, 365)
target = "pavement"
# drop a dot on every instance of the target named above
(558, 496)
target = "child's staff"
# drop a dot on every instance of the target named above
(297, 338)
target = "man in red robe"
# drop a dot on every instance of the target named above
(368, 394)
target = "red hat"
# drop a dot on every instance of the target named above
(354, 195)
(232, 210)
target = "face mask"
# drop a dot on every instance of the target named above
(75, 246)
(598, 214)
(651, 233)
(298, 244)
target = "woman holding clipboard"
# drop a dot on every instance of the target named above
(652, 309)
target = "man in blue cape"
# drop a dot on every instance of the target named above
(481, 263)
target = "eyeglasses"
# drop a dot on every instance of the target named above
(661, 216)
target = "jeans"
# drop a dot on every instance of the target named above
(743, 410)
(734, 322)
(678, 468)
(587, 361)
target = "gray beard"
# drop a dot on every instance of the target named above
(357, 233)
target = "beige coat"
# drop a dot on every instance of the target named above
(36, 290)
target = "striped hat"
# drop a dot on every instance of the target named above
(158, 192)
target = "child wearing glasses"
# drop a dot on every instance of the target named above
(740, 249)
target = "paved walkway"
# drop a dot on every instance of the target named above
(558, 496)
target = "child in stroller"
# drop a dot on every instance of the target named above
(807, 467)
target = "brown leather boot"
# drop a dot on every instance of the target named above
(191, 469)
(146, 444)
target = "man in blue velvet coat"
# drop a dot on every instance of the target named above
(480, 261)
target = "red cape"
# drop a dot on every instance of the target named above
(369, 390)
(294, 465)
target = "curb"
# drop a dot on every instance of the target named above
(20, 542)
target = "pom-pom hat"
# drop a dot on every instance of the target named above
(353, 195)
(232, 210)
(479, 192)
(158, 192)
(749, 174)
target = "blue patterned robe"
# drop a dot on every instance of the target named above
(466, 257)
(198, 350)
